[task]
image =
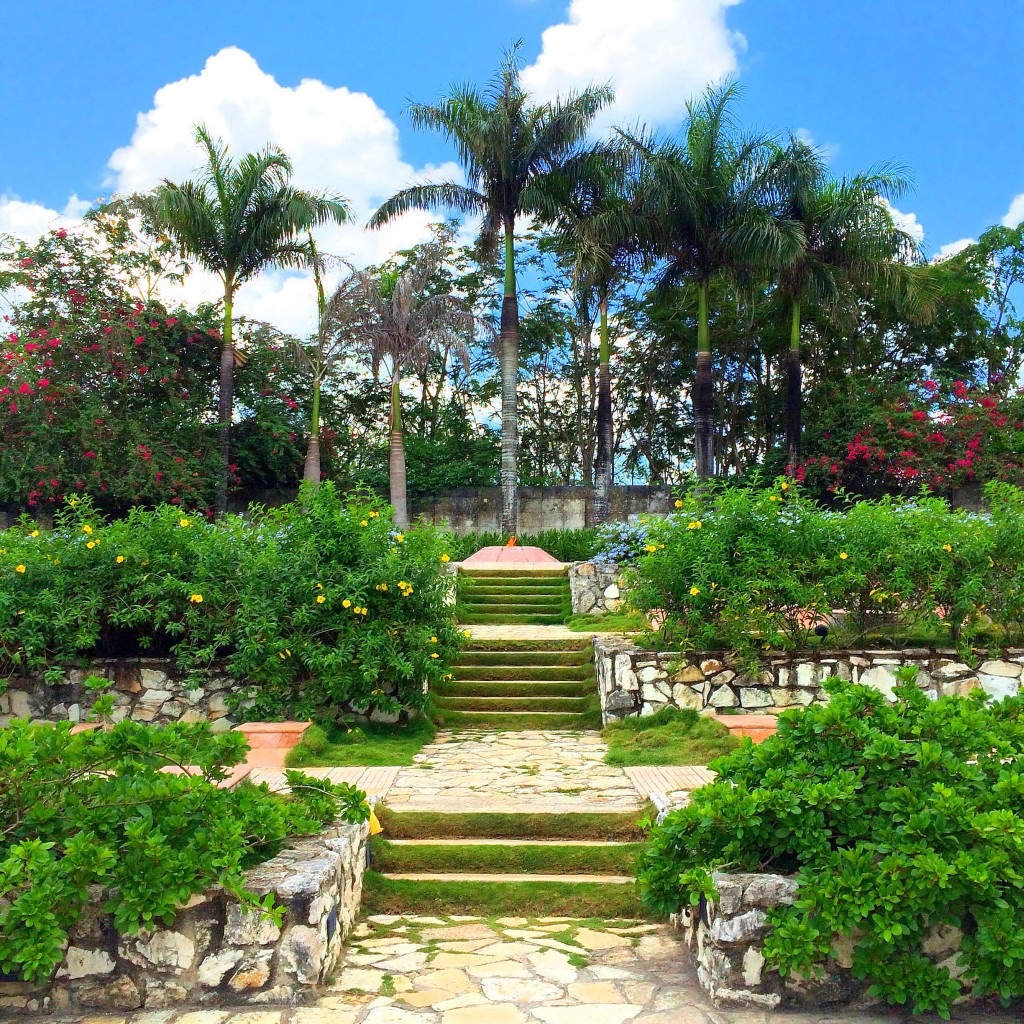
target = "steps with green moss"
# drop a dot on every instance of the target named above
(535, 597)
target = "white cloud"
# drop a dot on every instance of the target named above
(952, 248)
(656, 53)
(30, 220)
(907, 221)
(1015, 214)
(827, 150)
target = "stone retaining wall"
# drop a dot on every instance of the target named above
(214, 953)
(634, 681)
(594, 587)
(726, 938)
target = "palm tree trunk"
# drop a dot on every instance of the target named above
(226, 399)
(509, 363)
(396, 458)
(703, 394)
(311, 467)
(604, 465)
(794, 384)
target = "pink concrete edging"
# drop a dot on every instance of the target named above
(269, 742)
(501, 557)
(757, 727)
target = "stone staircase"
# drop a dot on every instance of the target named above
(520, 684)
(537, 597)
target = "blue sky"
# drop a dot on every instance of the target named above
(935, 85)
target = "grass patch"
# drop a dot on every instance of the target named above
(618, 826)
(613, 622)
(672, 736)
(510, 721)
(384, 895)
(544, 860)
(368, 743)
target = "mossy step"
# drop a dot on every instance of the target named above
(513, 607)
(517, 721)
(511, 877)
(500, 688)
(485, 601)
(583, 643)
(386, 895)
(509, 619)
(608, 826)
(505, 858)
(560, 673)
(486, 590)
(578, 657)
(477, 702)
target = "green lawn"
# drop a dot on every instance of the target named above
(672, 736)
(613, 622)
(613, 826)
(367, 743)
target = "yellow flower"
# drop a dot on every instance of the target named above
(446, 558)
(694, 591)
(87, 528)
(435, 655)
(119, 559)
(34, 533)
(184, 522)
(843, 555)
(363, 522)
(947, 547)
(91, 544)
(196, 598)
(679, 503)
(650, 547)
(433, 639)
(399, 537)
(374, 515)
(346, 603)
(695, 525)
(284, 654)
(320, 598)
(319, 586)
(19, 568)
(466, 633)
(364, 611)
(773, 497)
(785, 486)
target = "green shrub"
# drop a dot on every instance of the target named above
(895, 818)
(565, 545)
(746, 568)
(95, 808)
(313, 606)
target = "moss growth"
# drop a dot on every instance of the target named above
(672, 736)
(368, 743)
(615, 826)
(613, 622)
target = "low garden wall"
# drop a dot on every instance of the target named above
(594, 587)
(214, 953)
(726, 938)
(634, 681)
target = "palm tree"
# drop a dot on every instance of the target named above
(236, 220)
(392, 316)
(597, 208)
(712, 218)
(507, 147)
(850, 241)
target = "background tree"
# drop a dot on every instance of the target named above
(507, 147)
(237, 220)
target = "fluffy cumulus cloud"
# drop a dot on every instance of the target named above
(952, 248)
(30, 220)
(1015, 214)
(656, 53)
(907, 221)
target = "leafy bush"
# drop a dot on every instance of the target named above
(624, 542)
(751, 568)
(896, 818)
(565, 545)
(96, 808)
(313, 605)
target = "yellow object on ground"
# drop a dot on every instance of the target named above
(375, 826)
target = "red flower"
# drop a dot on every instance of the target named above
(920, 415)
(26, 389)
(43, 382)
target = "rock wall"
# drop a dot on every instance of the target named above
(214, 953)
(634, 681)
(594, 587)
(726, 938)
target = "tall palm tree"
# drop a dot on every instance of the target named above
(238, 219)
(710, 194)
(507, 146)
(850, 240)
(392, 316)
(597, 208)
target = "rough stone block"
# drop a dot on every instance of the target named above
(735, 931)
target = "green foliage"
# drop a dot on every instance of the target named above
(897, 818)
(672, 736)
(565, 545)
(371, 743)
(313, 605)
(750, 568)
(97, 808)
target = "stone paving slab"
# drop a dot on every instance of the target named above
(429, 970)
(375, 782)
(526, 772)
(512, 631)
(669, 786)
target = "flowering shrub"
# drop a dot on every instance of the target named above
(314, 605)
(623, 542)
(896, 818)
(95, 808)
(942, 437)
(748, 568)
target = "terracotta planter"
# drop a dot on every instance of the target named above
(757, 727)
(269, 742)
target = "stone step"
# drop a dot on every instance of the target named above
(474, 656)
(510, 619)
(534, 645)
(538, 673)
(508, 842)
(518, 705)
(513, 688)
(518, 721)
(426, 876)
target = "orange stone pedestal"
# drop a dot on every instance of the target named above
(269, 742)
(757, 727)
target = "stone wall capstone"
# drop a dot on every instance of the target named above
(635, 681)
(215, 953)
(726, 938)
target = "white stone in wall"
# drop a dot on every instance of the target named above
(710, 666)
(733, 931)
(611, 592)
(723, 697)
(19, 705)
(247, 928)
(1001, 668)
(652, 694)
(649, 674)
(951, 669)
(998, 687)
(688, 674)
(806, 674)
(162, 948)
(625, 677)
(753, 961)
(755, 697)
(213, 969)
(80, 963)
(879, 678)
(684, 696)
(152, 679)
